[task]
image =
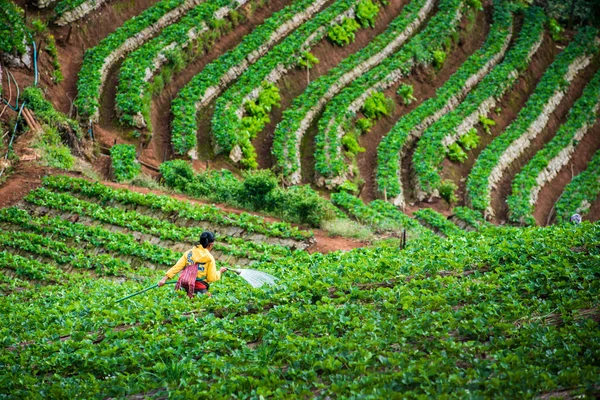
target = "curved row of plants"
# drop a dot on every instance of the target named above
(330, 163)
(68, 11)
(392, 212)
(359, 210)
(581, 192)
(412, 125)
(546, 163)
(144, 224)
(438, 222)
(203, 24)
(63, 254)
(28, 268)
(470, 217)
(299, 116)
(98, 60)
(532, 119)
(209, 83)
(448, 328)
(13, 31)
(230, 127)
(122, 243)
(431, 149)
(184, 210)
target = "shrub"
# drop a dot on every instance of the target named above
(448, 191)
(256, 187)
(406, 93)
(351, 144)
(177, 174)
(455, 153)
(124, 164)
(366, 12)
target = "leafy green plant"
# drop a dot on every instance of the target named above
(470, 140)
(350, 187)
(556, 31)
(377, 105)
(456, 153)
(364, 124)
(13, 31)
(366, 12)
(475, 5)
(448, 191)
(344, 33)
(405, 92)
(124, 162)
(439, 56)
(486, 123)
(351, 144)
(307, 60)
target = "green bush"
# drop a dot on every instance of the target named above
(366, 12)
(448, 191)
(377, 105)
(470, 140)
(406, 93)
(344, 33)
(53, 152)
(256, 187)
(177, 174)
(124, 164)
(13, 32)
(455, 153)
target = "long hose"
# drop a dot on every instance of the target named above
(144, 290)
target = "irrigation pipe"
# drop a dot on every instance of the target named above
(143, 291)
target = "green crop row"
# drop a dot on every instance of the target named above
(392, 146)
(185, 106)
(97, 236)
(209, 213)
(581, 192)
(63, 254)
(134, 85)
(364, 213)
(582, 116)
(68, 5)
(124, 164)
(329, 158)
(13, 31)
(29, 268)
(228, 129)
(470, 216)
(286, 142)
(552, 82)
(144, 224)
(90, 75)
(430, 151)
(392, 212)
(505, 313)
(437, 221)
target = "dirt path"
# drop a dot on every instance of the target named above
(557, 118)
(509, 107)
(551, 192)
(425, 82)
(295, 82)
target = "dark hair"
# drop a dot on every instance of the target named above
(206, 238)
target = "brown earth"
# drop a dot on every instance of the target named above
(295, 82)
(425, 82)
(509, 106)
(551, 192)
(557, 118)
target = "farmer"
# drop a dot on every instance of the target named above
(199, 268)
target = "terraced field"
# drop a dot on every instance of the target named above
(457, 138)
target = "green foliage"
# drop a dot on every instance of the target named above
(364, 125)
(585, 12)
(377, 105)
(307, 60)
(486, 123)
(551, 82)
(439, 56)
(470, 140)
(475, 5)
(581, 192)
(556, 31)
(290, 129)
(394, 144)
(437, 222)
(366, 12)
(456, 153)
(13, 32)
(448, 191)
(344, 33)
(351, 144)
(405, 91)
(256, 187)
(38, 26)
(124, 162)
(53, 152)
(350, 187)
(185, 105)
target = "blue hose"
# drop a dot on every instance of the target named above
(35, 66)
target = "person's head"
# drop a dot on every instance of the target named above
(207, 239)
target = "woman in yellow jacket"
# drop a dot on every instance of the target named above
(199, 268)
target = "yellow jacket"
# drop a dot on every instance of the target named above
(198, 255)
